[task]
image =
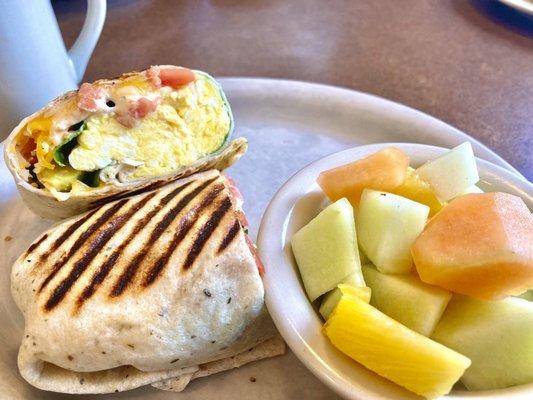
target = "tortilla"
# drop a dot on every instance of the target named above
(60, 205)
(269, 348)
(150, 286)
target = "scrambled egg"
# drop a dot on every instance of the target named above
(188, 124)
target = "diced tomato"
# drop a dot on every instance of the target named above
(237, 200)
(153, 76)
(175, 77)
(27, 149)
(142, 107)
(235, 192)
(136, 109)
(126, 119)
(242, 219)
(88, 95)
(258, 262)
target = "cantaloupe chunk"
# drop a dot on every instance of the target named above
(496, 335)
(392, 350)
(452, 173)
(326, 249)
(407, 299)
(480, 245)
(384, 170)
(387, 225)
(418, 190)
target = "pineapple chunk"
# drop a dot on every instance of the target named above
(326, 249)
(392, 350)
(418, 190)
(350, 286)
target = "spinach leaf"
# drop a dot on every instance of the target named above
(91, 178)
(62, 151)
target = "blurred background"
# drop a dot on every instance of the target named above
(469, 63)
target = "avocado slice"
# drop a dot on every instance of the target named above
(61, 178)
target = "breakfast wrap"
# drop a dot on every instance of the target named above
(114, 137)
(157, 288)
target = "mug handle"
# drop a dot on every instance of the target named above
(83, 47)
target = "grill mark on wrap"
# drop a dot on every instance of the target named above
(59, 241)
(79, 241)
(118, 196)
(235, 228)
(129, 273)
(206, 232)
(69, 231)
(94, 247)
(109, 263)
(36, 244)
(185, 224)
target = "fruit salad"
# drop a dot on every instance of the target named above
(421, 276)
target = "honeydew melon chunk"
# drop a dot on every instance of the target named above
(496, 335)
(349, 286)
(407, 299)
(472, 189)
(392, 350)
(362, 256)
(326, 249)
(387, 225)
(452, 173)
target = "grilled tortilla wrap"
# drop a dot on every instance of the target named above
(140, 290)
(268, 348)
(115, 136)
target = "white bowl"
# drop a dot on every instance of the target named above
(295, 204)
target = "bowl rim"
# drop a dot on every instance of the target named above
(340, 384)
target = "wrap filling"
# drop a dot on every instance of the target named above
(139, 126)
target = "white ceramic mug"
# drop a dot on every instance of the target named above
(35, 66)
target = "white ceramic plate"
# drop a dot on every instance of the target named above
(525, 6)
(293, 206)
(288, 124)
